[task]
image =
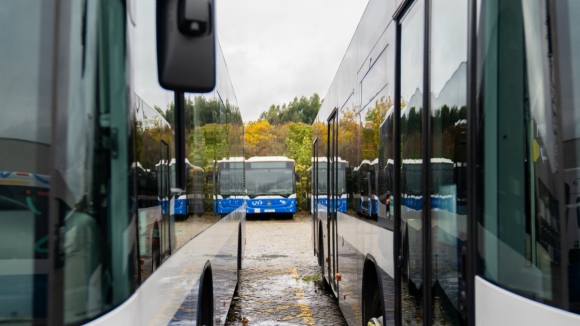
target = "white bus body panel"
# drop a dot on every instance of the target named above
(159, 298)
(357, 239)
(495, 306)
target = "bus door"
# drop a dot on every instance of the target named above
(430, 221)
(332, 200)
(314, 198)
(167, 198)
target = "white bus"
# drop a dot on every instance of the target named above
(88, 232)
(478, 155)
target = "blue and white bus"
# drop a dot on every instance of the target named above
(366, 188)
(271, 185)
(319, 186)
(188, 201)
(88, 232)
(231, 189)
(24, 207)
(179, 204)
(195, 190)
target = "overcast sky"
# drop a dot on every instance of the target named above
(278, 49)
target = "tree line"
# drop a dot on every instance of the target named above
(298, 110)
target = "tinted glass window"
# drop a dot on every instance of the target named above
(531, 150)
(98, 253)
(448, 155)
(26, 35)
(411, 154)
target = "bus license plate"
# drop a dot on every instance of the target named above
(269, 210)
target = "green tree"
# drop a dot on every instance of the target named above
(298, 110)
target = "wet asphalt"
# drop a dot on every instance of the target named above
(280, 282)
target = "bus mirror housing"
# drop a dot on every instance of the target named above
(186, 54)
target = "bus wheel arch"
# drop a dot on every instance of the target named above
(205, 304)
(372, 291)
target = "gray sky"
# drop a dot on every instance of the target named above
(278, 49)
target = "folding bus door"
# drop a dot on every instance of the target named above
(332, 199)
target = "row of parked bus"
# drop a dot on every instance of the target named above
(266, 184)
(361, 188)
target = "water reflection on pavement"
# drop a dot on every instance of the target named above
(280, 283)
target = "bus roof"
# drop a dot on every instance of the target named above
(269, 159)
(323, 159)
(231, 159)
(433, 160)
(365, 162)
(173, 161)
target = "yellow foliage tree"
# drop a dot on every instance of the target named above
(259, 138)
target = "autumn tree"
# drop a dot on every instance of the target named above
(259, 138)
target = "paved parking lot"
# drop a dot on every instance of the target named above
(280, 283)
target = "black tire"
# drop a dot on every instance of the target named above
(372, 298)
(205, 306)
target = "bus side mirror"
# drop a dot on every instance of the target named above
(186, 54)
(297, 176)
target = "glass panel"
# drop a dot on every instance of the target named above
(269, 178)
(99, 257)
(349, 148)
(448, 156)
(26, 35)
(531, 221)
(411, 167)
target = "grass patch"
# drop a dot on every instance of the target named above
(311, 278)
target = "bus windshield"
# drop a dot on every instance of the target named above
(270, 178)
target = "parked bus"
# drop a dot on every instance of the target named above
(179, 205)
(472, 109)
(89, 229)
(23, 208)
(366, 188)
(195, 190)
(271, 185)
(188, 201)
(231, 185)
(321, 190)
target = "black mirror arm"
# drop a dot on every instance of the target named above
(179, 124)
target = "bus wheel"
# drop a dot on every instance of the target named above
(372, 294)
(205, 307)
(180, 217)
